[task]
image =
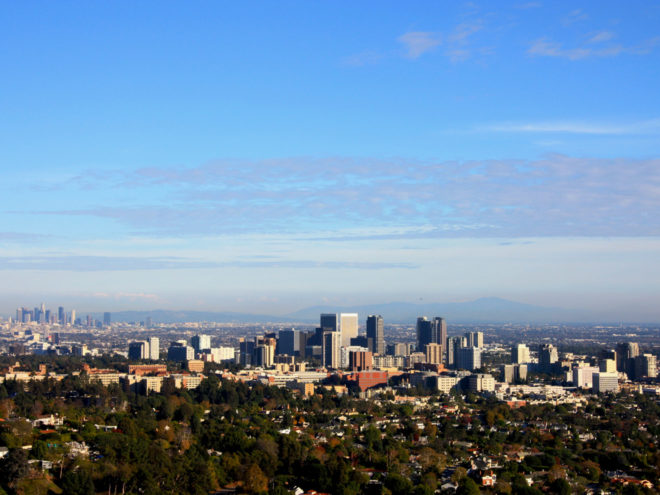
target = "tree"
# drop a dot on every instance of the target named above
(467, 486)
(78, 482)
(255, 480)
(14, 466)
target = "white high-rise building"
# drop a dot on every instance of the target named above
(605, 382)
(583, 376)
(520, 354)
(331, 349)
(348, 326)
(154, 348)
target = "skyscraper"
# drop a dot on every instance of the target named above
(107, 319)
(348, 326)
(520, 354)
(154, 348)
(475, 339)
(331, 349)
(431, 332)
(424, 333)
(288, 342)
(201, 342)
(376, 332)
(138, 350)
(329, 322)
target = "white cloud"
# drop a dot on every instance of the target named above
(419, 42)
(576, 127)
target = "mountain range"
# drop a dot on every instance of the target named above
(483, 310)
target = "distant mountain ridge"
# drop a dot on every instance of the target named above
(483, 310)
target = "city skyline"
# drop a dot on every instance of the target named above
(265, 159)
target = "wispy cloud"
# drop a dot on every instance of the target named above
(355, 199)
(416, 43)
(82, 263)
(361, 59)
(546, 48)
(577, 127)
(594, 46)
(575, 16)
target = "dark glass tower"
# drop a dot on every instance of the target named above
(376, 334)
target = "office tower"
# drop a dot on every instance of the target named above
(434, 353)
(548, 355)
(468, 358)
(138, 350)
(264, 352)
(19, 315)
(288, 342)
(148, 322)
(475, 339)
(520, 354)
(645, 366)
(605, 382)
(73, 317)
(583, 376)
(424, 333)
(329, 322)
(154, 348)
(61, 318)
(331, 349)
(180, 351)
(626, 352)
(431, 332)
(245, 347)
(107, 319)
(201, 342)
(348, 326)
(607, 365)
(376, 332)
(453, 345)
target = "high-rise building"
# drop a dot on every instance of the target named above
(148, 322)
(424, 333)
(548, 355)
(583, 376)
(376, 332)
(434, 353)
(331, 349)
(431, 332)
(607, 365)
(107, 319)
(288, 342)
(180, 351)
(520, 354)
(201, 342)
(61, 316)
(329, 322)
(154, 348)
(138, 350)
(453, 345)
(605, 382)
(626, 352)
(475, 339)
(73, 317)
(469, 358)
(645, 366)
(348, 326)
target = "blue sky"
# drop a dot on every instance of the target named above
(269, 155)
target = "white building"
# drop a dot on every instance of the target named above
(605, 382)
(348, 326)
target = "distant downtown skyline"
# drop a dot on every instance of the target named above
(264, 158)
